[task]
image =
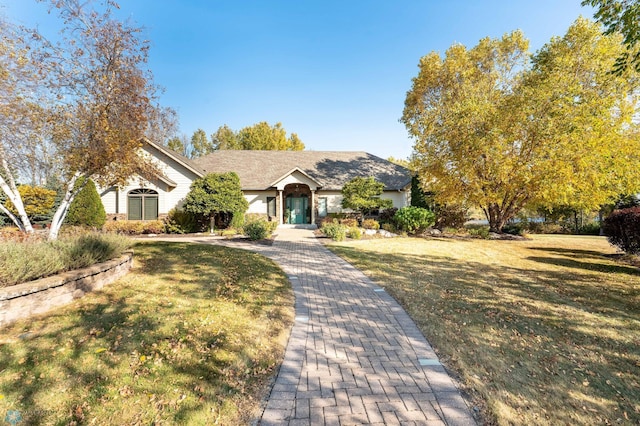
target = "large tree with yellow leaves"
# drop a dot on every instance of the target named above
(500, 129)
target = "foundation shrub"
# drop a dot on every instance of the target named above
(179, 221)
(334, 230)
(349, 222)
(354, 233)
(134, 227)
(370, 224)
(256, 230)
(388, 216)
(237, 220)
(389, 227)
(414, 219)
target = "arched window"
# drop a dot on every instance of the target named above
(142, 204)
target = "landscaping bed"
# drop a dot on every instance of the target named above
(542, 331)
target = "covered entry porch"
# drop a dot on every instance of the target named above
(296, 198)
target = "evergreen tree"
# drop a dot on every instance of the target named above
(87, 208)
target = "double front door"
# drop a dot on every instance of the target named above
(297, 207)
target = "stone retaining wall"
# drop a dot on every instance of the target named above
(39, 296)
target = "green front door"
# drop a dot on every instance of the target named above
(298, 208)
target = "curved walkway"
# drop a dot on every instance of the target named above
(354, 356)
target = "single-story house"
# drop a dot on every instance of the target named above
(286, 186)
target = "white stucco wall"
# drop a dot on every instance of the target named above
(334, 199)
(400, 199)
(258, 200)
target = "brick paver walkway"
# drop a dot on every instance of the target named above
(354, 356)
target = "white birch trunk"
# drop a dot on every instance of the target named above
(63, 208)
(11, 191)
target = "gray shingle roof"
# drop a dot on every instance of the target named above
(331, 169)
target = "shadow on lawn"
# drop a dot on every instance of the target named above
(548, 343)
(122, 343)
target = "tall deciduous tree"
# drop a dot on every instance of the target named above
(180, 144)
(21, 117)
(93, 100)
(216, 193)
(200, 145)
(621, 16)
(363, 195)
(260, 136)
(224, 138)
(492, 131)
(106, 98)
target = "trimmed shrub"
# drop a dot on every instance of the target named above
(179, 221)
(349, 222)
(334, 230)
(237, 220)
(257, 227)
(370, 224)
(87, 208)
(134, 227)
(354, 233)
(622, 228)
(387, 215)
(256, 230)
(450, 217)
(389, 227)
(414, 219)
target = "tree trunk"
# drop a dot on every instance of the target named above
(212, 223)
(63, 208)
(23, 223)
(496, 218)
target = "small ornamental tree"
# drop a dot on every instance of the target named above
(363, 195)
(37, 201)
(87, 208)
(216, 193)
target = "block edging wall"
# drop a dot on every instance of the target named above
(39, 296)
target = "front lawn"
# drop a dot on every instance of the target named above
(191, 336)
(540, 332)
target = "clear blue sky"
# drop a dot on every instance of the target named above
(333, 71)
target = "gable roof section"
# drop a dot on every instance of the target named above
(258, 170)
(292, 171)
(178, 158)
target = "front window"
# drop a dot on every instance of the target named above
(142, 204)
(322, 206)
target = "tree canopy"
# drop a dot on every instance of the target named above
(621, 16)
(363, 195)
(499, 129)
(260, 136)
(89, 96)
(216, 193)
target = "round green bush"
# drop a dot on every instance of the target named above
(334, 230)
(414, 219)
(86, 208)
(355, 233)
(257, 230)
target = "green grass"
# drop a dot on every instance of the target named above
(191, 336)
(540, 332)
